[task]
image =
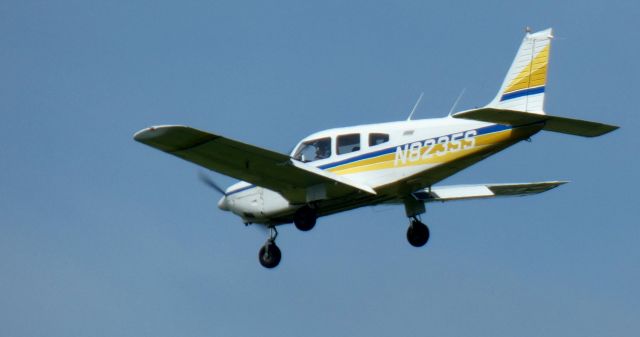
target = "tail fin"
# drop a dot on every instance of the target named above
(520, 100)
(523, 87)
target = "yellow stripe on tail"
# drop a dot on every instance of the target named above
(524, 86)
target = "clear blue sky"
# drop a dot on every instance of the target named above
(102, 236)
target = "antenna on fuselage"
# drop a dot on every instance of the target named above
(415, 106)
(457, 100)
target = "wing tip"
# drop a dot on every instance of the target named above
(154, 131)
(170, 138)
(603, 130)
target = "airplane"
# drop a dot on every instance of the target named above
(398, 162)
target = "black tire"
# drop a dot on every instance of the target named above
(305, 218)
(417, 234)
(269, 255)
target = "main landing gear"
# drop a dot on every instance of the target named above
(417, 233)
(305, 218)
(270, 254)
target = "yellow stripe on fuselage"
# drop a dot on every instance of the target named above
(388, 160)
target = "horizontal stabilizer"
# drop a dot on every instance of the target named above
(570, 126)
(461, 192)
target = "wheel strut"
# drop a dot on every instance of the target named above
(273, 233)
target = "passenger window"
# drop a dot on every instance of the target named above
(314, 150)
(348, 143)
(378, 138)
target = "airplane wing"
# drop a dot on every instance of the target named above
(570, 126)
(296, 181)
(461, 192)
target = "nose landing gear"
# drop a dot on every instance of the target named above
(269, 254)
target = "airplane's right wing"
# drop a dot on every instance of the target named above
(296, 181)
(461, 192)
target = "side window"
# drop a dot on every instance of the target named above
(378, 138)
(314, 150)
(348, 143)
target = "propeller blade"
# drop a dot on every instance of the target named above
(209, 182)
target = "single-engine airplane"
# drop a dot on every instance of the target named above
(398, 162)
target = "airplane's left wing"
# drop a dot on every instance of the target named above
(461, 192)
(296, 181)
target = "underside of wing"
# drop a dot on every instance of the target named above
(461, 192)
(296, 181)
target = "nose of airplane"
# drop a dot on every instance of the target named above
(222, 204)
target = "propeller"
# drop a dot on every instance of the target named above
(209, 182)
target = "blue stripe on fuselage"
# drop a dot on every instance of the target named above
(481, 131)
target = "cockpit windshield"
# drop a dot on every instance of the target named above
(313, 150)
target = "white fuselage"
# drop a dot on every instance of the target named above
(378, 155)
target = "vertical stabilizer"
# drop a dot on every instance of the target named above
(524, 86)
